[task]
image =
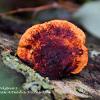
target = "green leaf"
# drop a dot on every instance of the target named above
(89, 17)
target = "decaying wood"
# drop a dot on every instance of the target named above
(85, 85)
(34, 81)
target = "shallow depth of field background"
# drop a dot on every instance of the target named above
(18, 15)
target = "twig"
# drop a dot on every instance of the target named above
(34, 81)
(32, 9)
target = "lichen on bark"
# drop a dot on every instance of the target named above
(34, 81)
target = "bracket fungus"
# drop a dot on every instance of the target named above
(54, 48)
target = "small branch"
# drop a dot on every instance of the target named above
(33, 9)
(34, 81)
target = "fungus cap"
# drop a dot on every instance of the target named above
(54, 48)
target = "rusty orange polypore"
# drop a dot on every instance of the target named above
(54, 48)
